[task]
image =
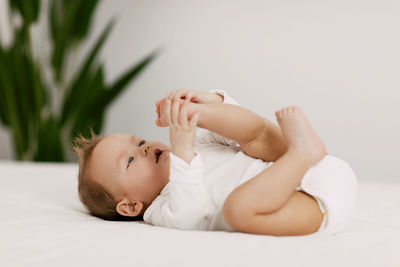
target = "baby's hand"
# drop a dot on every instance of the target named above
(162, 110)
(160, 106)
(182, 130)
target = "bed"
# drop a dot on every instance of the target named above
(42, 223)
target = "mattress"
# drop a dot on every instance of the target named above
(42, 223)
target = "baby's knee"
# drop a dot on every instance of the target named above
(235, 212)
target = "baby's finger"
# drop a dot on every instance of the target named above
(173, 94)
(194, 120)
(169, 95)
(178, 95)
(189, 97)
(158, 111)
(183, 118)
(175, 112)
(168, 111)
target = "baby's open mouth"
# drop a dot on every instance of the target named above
(157, 153)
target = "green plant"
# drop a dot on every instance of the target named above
(42, 130)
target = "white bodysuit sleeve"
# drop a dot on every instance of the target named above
(204, 136)
(184, 201)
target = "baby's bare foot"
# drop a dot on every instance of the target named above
(299, 134)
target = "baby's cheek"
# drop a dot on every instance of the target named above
(148, 170)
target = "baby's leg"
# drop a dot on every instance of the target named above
(269, 203)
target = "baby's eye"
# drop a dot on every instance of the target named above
(130, 160)
(142, 143)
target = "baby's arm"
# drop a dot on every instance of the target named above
(258, 137)
(185, 203)
(231, 121)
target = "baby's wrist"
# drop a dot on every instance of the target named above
(186, 155)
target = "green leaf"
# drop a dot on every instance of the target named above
(22, 93)
(85, 13)
(49, 147)
(27, 88)
(4, 74)
(115, 89)
(75, 90)
(63, 18)
(24, 96)
(66, 30)
(29, 10)
(20, 84)
(11, 105)
(82, 120)
(40, 98)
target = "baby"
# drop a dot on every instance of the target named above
(227, 169)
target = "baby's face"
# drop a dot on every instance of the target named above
(131, 167)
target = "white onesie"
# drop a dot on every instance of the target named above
(195, 194)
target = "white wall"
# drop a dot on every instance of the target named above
(338, 60)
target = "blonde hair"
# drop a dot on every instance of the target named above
(97, 199)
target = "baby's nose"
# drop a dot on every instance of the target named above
(144, 150)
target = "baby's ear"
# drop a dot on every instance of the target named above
(130, 208)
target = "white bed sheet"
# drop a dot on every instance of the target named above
(42, 223)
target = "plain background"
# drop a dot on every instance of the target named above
(337, 60)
